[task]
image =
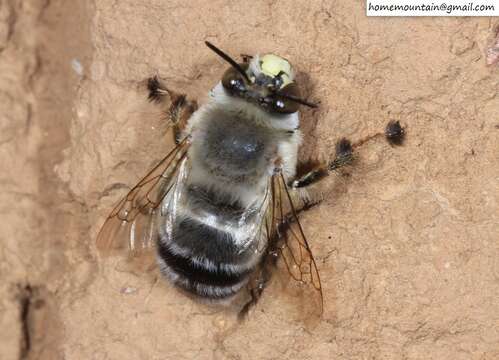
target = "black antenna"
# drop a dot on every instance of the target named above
(298, 100)
(227, 58)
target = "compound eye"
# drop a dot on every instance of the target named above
(233, 81)
(283, 105)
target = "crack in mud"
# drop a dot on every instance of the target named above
(25, 304)
(36, 321)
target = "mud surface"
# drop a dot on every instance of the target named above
(407, 245)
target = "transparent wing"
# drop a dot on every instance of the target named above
(287, 241)
(133, 218)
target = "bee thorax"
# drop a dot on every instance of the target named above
(231, 147)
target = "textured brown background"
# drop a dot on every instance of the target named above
(407, 247)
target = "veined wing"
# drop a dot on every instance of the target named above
(289, 243)
(133, 219)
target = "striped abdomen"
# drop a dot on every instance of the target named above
(208, 250)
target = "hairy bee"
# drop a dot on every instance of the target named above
(225, 200)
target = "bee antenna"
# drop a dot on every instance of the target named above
(298, 100)
(227, 58)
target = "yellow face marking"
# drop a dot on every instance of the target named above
(272, 65)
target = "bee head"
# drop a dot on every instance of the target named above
(267, 81)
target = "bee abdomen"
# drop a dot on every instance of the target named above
(197, 277)
(203, 260)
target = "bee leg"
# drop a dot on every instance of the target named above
(176, 106)
(394, 133)
(258, 282)
(157, 91)
(179, 113)
(255, 289)
(344, 156)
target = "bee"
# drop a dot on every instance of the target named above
(222, 206)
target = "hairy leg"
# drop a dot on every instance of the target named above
(310, 188)
(259, 280)
(344, 156)
(176, 106)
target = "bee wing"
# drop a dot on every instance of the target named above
(133, 218)
(287, 240)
